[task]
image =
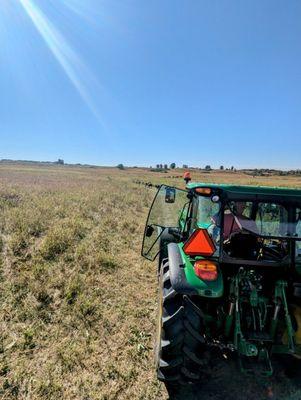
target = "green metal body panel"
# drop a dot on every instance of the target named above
(245, 190)
(211, 289)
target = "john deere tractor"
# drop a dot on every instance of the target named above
(229, 276)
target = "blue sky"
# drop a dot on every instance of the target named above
(151, 81)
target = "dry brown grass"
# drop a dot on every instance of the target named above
(77, 301)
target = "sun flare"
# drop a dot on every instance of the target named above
(73, 66)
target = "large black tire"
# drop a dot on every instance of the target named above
(165, 238)
(179, 350)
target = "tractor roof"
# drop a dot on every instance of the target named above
(249, 190)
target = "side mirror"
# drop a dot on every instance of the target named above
(170, 195)
(149, 231)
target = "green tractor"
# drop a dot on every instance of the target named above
(229, 277)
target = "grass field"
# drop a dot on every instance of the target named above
(77, 301)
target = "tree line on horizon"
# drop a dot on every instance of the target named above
(254, 172)
(171, 166)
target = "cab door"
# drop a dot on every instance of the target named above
(167, 214)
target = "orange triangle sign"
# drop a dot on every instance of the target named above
(199, 244)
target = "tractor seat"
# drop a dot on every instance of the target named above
(242, 245)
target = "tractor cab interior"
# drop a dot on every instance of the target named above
(253, 230)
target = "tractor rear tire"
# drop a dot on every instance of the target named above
(180, 345)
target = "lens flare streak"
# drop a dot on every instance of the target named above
(69, 60)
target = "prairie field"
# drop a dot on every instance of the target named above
(77, 300)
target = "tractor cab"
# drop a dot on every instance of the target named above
(254, 225)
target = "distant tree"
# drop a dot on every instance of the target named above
(165, 166)
(208, 168)
(173, 165)
(161, 166)
(120, 166)
(60, 161)
(185, 166)
(232, 168)
(221, 167)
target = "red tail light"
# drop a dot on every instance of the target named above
(206, 270)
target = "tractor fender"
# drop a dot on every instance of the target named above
(164, 239)
(176, 270)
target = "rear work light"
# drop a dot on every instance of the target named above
(199, 244)
(204, 191)
(206, 270)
